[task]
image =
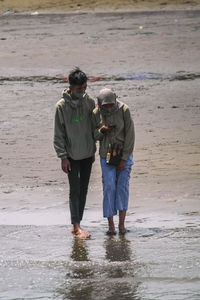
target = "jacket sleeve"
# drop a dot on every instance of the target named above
(59, 134)
(98, 136)
(129, 135)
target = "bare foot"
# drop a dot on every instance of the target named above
(76, 227)
(123, 230)
(82, 234)
(111, 232)
(111, 226)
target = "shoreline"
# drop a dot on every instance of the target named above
(154, 11)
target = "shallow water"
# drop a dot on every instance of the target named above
(46, 262)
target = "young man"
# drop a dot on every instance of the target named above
(74, 144)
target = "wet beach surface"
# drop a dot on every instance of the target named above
(151, 59)
(44, 262)
(35, 6)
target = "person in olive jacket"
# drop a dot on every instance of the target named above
(114, 128)
(74, 143)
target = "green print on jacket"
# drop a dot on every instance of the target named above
(77, 119)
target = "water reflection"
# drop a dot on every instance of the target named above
(118, 249)
(126, 286)
(116, 277)
(79, 250)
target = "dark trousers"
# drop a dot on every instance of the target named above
(79, 177)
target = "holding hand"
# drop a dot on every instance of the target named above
(105, 128)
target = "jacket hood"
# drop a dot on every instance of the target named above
(77, 109)
(68, 99)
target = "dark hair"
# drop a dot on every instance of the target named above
(77, 77)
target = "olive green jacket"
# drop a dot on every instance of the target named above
(124, 132)
(73, 135)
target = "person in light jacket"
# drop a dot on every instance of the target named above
(74, 143)
(114, 127)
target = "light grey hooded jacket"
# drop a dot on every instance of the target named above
(73, 136)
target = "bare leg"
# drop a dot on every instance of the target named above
(80, 232)
(122, 215)
(111, 225)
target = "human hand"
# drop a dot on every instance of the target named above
(121, 165)
(105, 128)
(65, 165)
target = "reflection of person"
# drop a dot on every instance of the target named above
(77, 284)
(74, 144)
(113, 125)
(79, 251)
(123, 271)
(118, 250)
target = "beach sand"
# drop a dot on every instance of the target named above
(92, 5)
(151, 59)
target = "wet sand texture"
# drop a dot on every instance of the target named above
(80, 5)
(155, 70)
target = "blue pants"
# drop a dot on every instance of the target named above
(115, 187)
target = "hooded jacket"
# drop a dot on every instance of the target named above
(123, 133)
(73, 136)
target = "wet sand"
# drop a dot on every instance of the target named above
(151, 59)
(151, 263)
(95, 5)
